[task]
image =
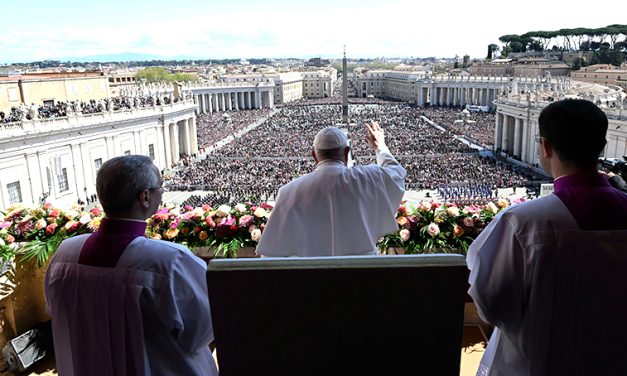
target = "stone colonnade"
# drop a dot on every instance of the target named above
(180, 137)
(233, 100)
(516, 136)
(456, 94)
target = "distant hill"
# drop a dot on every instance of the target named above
(121, 57)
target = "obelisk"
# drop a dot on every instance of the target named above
(344, 89)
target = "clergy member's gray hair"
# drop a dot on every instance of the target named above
(121, 179)
(323, 154)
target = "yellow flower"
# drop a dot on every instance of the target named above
(502, 203)
(94, 224)
(171, 233)
(155, 236)
(402, 220)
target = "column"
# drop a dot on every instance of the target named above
(222, 102)
(271, 99)
(462, 96)
(505, 134)
(184, 137)
(199, 103)
(517, 136)
(247, 100)
(229, 101)
(525, 138)
(167, 145)
(209, 106)
(174, 142)
(421, 98)
(193, 135)
(498, 132)
(258, 99)
(235, 101)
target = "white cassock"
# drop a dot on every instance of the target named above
(150, 310)
(537, 277)
(336, 210)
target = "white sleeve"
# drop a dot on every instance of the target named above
(396, 185)
(496, 264)
(188, 307)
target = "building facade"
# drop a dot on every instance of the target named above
(605, 74)
(517, 120)
(57, 159)
(50, 88)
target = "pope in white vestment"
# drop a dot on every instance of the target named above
(336, 210)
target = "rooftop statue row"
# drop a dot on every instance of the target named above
(73, 108)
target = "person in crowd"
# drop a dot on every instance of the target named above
(550, 273)
(336, 210)
(123, 304)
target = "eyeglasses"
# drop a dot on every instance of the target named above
(162, 189)
(539, 139)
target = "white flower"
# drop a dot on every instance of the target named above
(223, 211)
(491, 207)
(453, 211)
(240, 208)
(260, 212)
(85, 219)
(255, 235)
(70, 214)
(425, 205)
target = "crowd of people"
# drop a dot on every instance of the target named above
(214, 127)
(259, 162)
(477, 127)
(62, 109)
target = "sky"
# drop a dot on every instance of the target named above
(42, 29)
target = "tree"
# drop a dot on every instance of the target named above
(492, 49)
(160, 74)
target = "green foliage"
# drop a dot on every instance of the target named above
(160, 74)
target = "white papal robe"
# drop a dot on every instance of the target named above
(148, 315)
(336, 210)
(556, 294)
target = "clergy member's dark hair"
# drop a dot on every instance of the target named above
(576, 129)
(121, 179)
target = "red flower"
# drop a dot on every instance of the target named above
(266, 206)
(51, 228)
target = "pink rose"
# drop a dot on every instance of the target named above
(246, 220)
(433, 229)
(404, 233)
(209, 221)
(468, 222)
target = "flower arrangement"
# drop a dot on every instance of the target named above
(40, 230)
(226, 228)
(431, 227)
(426, 227)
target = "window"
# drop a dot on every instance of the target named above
(97, 164)
(15, 192)
(62, 178)
(49, 103)
(151, 151)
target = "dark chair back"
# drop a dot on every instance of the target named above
(360, 315)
